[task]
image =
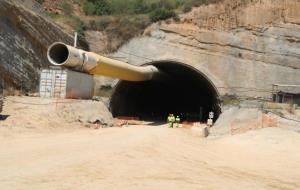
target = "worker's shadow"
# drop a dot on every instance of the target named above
(3, 117)
(156, 123)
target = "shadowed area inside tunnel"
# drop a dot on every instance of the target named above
(187, 93)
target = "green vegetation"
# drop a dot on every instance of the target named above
(230, 100)
(66, 7)
(119, 28)
(161, 14)
(121, 19)
(124, 28)
(129, 7)
(96, 7)
(104, 91)
(79, 26)
(155, 9)
(40, 1)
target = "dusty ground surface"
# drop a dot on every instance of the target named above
(145, 157)
(40, 114)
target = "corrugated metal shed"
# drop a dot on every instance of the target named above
(59, 83)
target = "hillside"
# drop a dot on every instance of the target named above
(241, 36)
(26, 32)
(242, 47)
(114, 21)
(24, 39)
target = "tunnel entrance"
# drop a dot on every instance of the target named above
(187, 93)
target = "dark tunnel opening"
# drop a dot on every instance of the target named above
(188, 93)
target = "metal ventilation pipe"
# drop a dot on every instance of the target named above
(75, 59)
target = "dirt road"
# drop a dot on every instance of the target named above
(149, 158)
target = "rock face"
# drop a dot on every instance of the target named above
(24, 38)
(242, 46)
(1, 103)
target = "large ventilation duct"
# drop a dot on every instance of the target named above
(64, 55)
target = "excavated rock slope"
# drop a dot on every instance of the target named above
(242, 46)
(24, 38)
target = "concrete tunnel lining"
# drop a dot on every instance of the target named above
(186, 93)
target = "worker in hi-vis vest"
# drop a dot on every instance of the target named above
(171, 120)
(177, 121)
(210, 119)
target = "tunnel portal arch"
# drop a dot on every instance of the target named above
(187, 92)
